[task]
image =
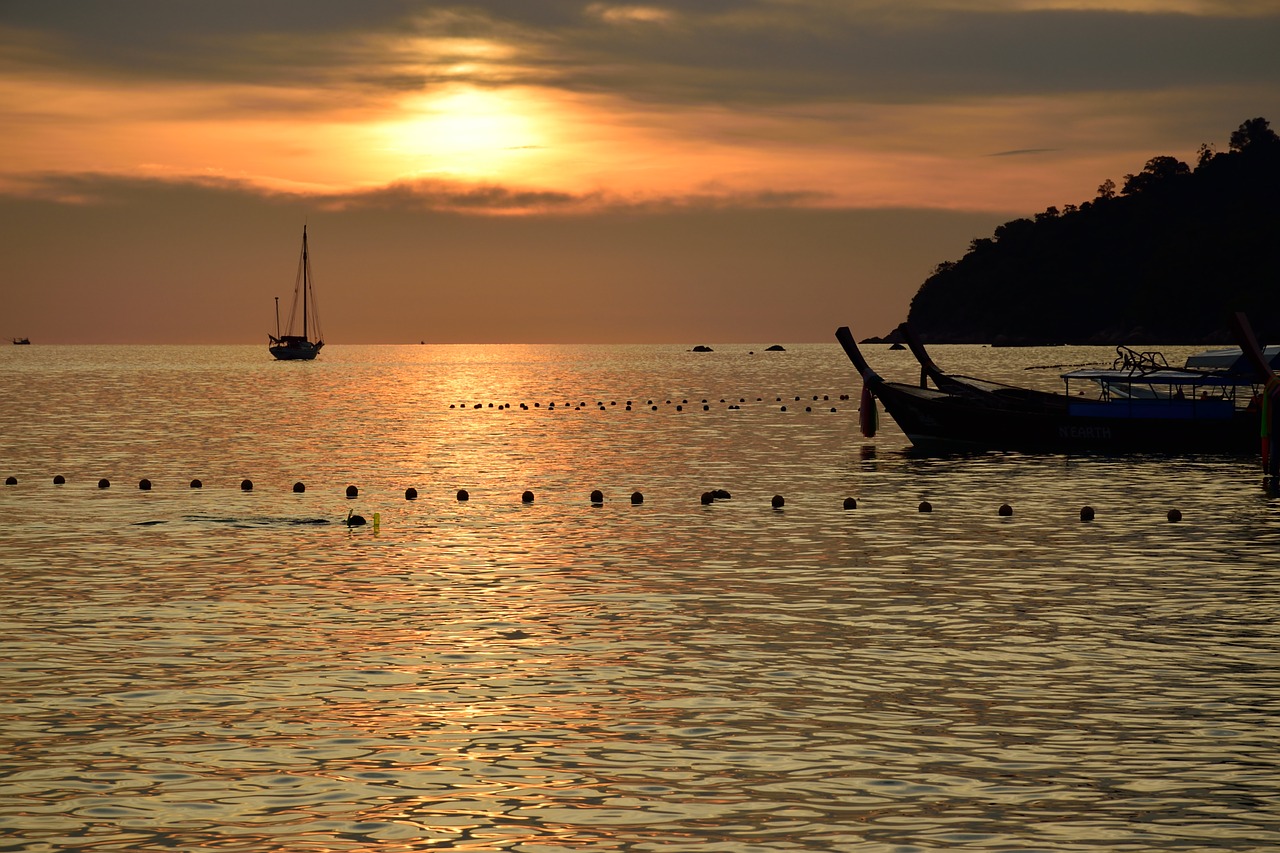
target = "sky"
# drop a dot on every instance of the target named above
(512, 171)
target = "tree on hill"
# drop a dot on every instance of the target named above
(1166, 259)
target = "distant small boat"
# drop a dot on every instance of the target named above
(22, 341)
(291, 347)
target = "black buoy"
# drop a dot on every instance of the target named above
(246, 485)
(850, 503)
(597, 496)
(1006, 510)
(352, 491)
(925, 506)
(59, 480)
(299, 487)
(104, 483)
(1086, 513)
(463, 495)
(636, 498)
(411, 494)
(777, 502)
(144, 484)
(196, 484)
(11, 481)
(707, 498)
(1175, 515)
(527, 497)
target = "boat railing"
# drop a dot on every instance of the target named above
(1176, 388)
(1139, 362)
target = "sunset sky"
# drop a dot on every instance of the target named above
(707, 171)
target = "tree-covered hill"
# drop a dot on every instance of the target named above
(1164, 260)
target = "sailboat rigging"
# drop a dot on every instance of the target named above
(290, 346)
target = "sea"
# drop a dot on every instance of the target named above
(802, 660)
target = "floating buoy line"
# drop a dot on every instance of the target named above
(595, 498)
(657, 404)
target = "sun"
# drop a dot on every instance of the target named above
(465, 132)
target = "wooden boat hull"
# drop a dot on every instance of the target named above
(939, 421)
(959, 417)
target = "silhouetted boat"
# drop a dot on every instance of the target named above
(22, 341)
(299, 347)
(1144, 406)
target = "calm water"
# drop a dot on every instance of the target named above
(217, 669)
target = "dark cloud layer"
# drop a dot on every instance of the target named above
(722, 52)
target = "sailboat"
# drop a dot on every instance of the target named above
(290, 346)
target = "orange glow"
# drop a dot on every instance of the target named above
(591, 146)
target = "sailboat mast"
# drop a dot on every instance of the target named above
(306, 283)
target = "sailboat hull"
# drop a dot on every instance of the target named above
(295, 350)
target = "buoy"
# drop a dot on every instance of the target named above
(246, 485)
(1005, 509)
(411, 494)
(1175, 515)
(868, 416)
(377, 521)
(104, 483)
(597, 496)
(636, 498)
(784, 408)
(527, 497)
(463, 495)
(925, 506)
(352, 491)
(777, 502)
(144, 484)
(707, 498)
(1086, 513)
(850, 503)
(11, 481)
(299, 488)
(58, 480)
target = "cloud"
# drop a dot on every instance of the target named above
(1022, 152)
(711, 53)
(402, 197)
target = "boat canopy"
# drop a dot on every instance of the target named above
(1231, 358)
(1158, 377)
